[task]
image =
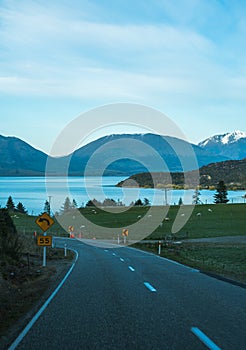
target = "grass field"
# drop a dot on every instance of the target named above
(224, 259)
(213, 221)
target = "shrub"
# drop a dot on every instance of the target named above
(10, 245)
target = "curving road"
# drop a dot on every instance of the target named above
(122, 298)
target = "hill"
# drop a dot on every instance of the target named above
(18, 158)
(232, 172)
(114, 155)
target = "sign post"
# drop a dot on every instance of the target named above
(44, 254)
(44, 221)
(125, 234)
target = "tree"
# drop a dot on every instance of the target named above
(221, 193)
(74, 204)
(47, 207)
(10, 246)
(146, 202)
(196, 199)
(180, 202)
(93, 203)
(138, 202)
(109, 202)
(10, 204)
(20, 208)
(67, 205)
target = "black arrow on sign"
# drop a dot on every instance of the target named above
(44, 219)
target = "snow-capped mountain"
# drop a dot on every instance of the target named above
(231, 145)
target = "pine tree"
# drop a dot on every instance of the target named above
(146, 202)
(47, 207)
(20, 208)
(67, 205)
(221, 193)
(109, 202)
(74, 204)
(196, 199)
(10, 245)
(138, 202)
(180, 202)
(10, 204)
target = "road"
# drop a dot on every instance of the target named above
(122, 298)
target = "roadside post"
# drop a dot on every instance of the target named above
(44, 221)
(159, 247)
(65, 250)
(125, 234)
(44, 253)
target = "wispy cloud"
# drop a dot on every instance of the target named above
(50, 51)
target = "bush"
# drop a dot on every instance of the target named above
(10, 245)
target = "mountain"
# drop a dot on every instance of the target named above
(232, 172)
(113, 155)
(18, 158)
(135, 153)
(230, 145)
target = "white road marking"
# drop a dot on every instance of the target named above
(38, 314)
(131, 268)
(149, 286)
(122, 259)
(106, 250)
(113, 254)
(204, 339)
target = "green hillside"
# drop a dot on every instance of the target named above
(232, 172)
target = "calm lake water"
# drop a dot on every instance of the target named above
(32, 192)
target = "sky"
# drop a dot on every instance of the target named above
(60, 59)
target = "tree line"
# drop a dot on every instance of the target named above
(220, 196)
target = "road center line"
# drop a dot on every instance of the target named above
(149, 286)
(131, 268)
(121, 259)
(208, 342)
(113, 254)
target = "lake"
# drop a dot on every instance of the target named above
(32, 192)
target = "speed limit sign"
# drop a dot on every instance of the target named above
(44, 241)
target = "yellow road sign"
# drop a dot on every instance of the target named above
(125, 232)
(44, 221)
(44, 241)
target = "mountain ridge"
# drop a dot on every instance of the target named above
(18, 158)
(231, 145)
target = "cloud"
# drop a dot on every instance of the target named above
(50, 50)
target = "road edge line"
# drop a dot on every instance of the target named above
(169, 260)
(41, 310)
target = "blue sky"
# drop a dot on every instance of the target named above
(59, 59)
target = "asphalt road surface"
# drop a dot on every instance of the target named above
(122, 298)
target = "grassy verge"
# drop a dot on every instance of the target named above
(227, 260)
(25, 284)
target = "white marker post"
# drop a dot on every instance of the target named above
(44, 254)
(159, 248)
(65, 249)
